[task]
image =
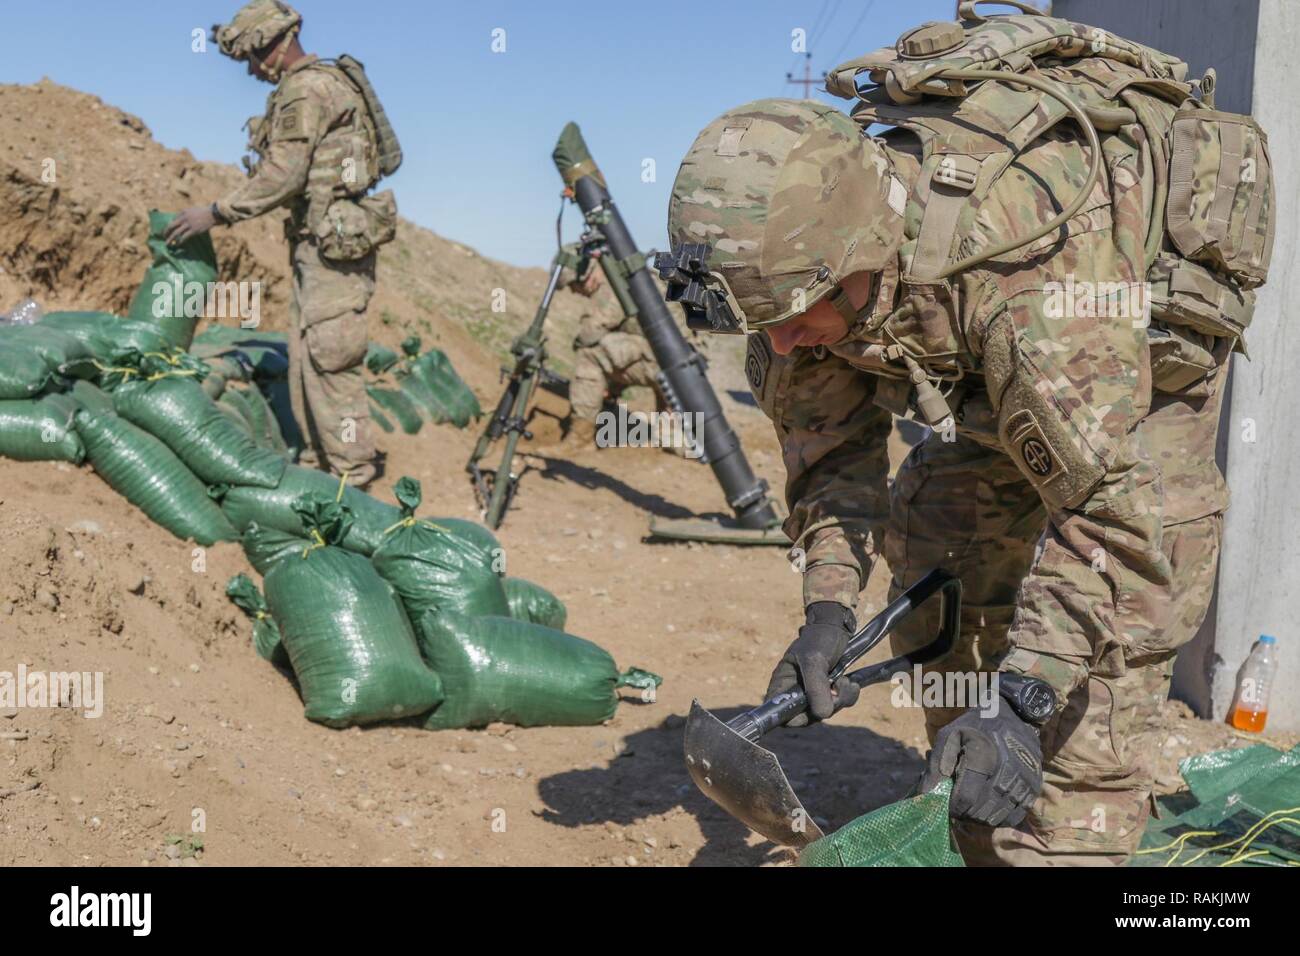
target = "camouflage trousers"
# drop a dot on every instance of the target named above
(619, 360)
(327, 350)
(963, 505)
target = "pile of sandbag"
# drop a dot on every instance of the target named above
(379, 614)
(406, 391)
(416, 387)
(173, 421)
(415, 618)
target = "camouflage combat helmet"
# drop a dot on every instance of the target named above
(256, 26)
(791, 198)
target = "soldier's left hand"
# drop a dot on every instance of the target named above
(189, 223)
(996, 765)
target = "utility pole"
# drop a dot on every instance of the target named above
(807, 82)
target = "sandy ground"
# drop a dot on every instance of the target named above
(196, 727)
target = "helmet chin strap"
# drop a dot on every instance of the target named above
(272, 66)
(839, 300)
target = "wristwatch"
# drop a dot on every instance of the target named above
(1032, 699)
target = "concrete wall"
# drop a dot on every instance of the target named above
(1250, 44)
(1259, 579)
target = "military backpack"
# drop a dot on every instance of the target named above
(978, 92)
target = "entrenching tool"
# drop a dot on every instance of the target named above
(746, 780)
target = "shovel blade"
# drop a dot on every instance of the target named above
(745, 780)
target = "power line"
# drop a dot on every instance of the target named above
(812, 31)
(852, 34)
(819, 28)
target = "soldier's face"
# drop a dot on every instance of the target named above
(257, 68)
(822, 324)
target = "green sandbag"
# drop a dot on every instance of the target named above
(86, 327)
(23, 373)
(236, 418)
(379, 418)
(440, 564)
(261, 422)
(213, 385)
(265, 546)
(222, 370)
(1241, 808)
(266, 354)
(174, 408)
(532, 602)
(274, 507)
(40, 429)
(404, 409)
(62, 353)
(277, 397)
(237, 404)
(150, 476)
(191, 265)
(105, 334)
(349, 641)
(266, 633)
(379, 359)
(264, 419)
(435, 371)
(500, 669)
(90, 396)
(417, 391)
(911, 832)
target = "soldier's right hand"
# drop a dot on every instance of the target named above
(826, 632)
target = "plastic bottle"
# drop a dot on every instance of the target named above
(1250, 709)
(26, 312)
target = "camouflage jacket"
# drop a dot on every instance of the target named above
(314, 143)
(833, 431)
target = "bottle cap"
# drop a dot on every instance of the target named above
(1267, 639)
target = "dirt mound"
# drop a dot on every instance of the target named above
(78, 176)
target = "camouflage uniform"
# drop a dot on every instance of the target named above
(609, 355)
(1081, 508)
(315, 144)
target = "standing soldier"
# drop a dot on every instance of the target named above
(1070, 480)
(321, 145)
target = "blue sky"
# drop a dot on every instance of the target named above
(477, 127)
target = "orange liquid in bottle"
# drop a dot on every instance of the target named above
(1248, 720)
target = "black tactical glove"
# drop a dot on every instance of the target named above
(996, 763)
(807, 663)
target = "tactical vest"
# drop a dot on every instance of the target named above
(977, 93)
(344, 163)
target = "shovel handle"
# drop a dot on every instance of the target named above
(783, 708)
